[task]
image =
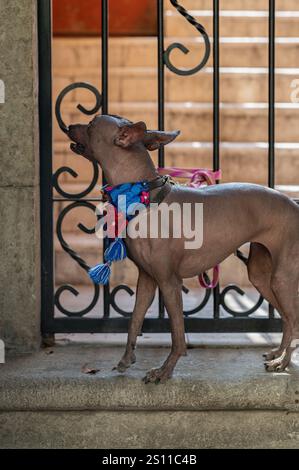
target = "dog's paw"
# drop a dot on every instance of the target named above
(125, 363)
(277, 365)
(121, 367)
(157, 376)
(270, 356)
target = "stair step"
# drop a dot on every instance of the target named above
(233, 23)
(239, 161)
(139, 84)
(241, 4)
(195, 120)
(83, 54)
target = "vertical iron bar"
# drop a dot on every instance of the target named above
(161, 102)
(105, 35)
(161, 76)
(216, 115)
(105, 38)
(271, 115)
(216, 163)
(46, 148)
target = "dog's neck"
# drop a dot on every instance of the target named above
(128, 166)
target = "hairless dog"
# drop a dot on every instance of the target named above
(233, 214)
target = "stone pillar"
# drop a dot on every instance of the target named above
(19, 178)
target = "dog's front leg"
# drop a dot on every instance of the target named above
(172, 294)
(145, 293)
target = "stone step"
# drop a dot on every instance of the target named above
(219, 397)
(233, 23)
(240, 161)
(241, 4)
(195, 120)
(82, 54)
(139, 84)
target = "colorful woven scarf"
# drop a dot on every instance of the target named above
(126, 199)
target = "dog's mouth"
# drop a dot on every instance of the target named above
(78, 148)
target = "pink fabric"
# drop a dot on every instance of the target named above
(214, 282)
(197, 177)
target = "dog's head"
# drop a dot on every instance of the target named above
(108, 134)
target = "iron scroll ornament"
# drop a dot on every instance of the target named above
(81, 108)
(64, 129)
(74, 205)
(238, 314)
(130, 292)
(184, 49)
(76, 258)
(238, 290)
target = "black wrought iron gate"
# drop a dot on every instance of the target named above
(105, 300)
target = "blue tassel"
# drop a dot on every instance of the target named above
(116, 251)
(100, 274)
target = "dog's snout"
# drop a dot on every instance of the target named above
(72, 132)
(77, 133)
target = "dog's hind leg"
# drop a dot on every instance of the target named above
(259, 266)
(145, 294)
(284, 284)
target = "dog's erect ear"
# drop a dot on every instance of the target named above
(130, 134)
(155, 139)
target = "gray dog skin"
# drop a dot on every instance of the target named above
(233, 214)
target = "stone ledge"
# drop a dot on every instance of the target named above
(206, 380)
(149, 430)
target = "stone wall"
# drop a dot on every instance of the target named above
(19, 181)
